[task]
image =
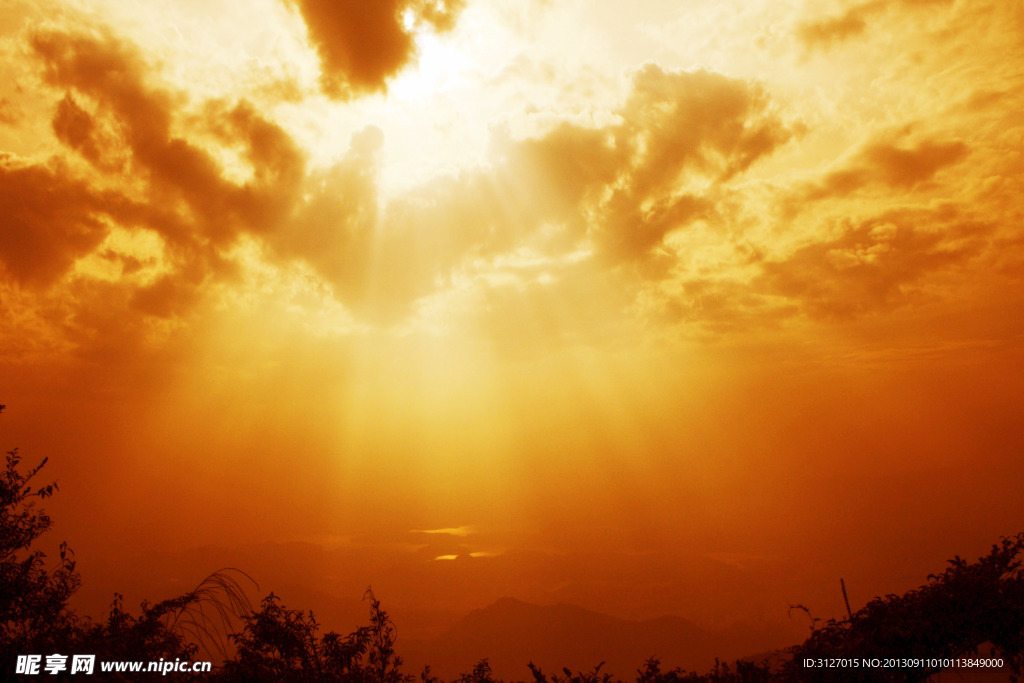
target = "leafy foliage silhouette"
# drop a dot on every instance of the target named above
(33, 600)
(278, 644)
(959, 610)
(481, 673)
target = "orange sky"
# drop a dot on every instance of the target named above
(686, 307)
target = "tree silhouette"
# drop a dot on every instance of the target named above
(480, 673)
(279, 644)
(957, 611)
(33, 600)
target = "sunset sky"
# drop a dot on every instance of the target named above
(650, 307)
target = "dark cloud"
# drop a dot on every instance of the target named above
(147, 176)
(628, 185)
(184, 194)
(113, 75)
(170, 296)
(75, 128)
(716, 306)
(78, 129)
(679, 127)
(889, 165)
(899, 167)
(278, 168)
(327, 219)
(361, 44)
(874, 264)
(50, 219)
(620, 188)
(824, 32)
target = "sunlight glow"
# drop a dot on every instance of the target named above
(441, 65)
(623, 293)
(453, 531)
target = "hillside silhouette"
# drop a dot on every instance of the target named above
(511, 632)
(971, 610)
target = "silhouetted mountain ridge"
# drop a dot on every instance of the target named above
(511, 633)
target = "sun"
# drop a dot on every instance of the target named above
(433, 115)
(442, 64)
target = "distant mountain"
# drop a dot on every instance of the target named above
(511, 633)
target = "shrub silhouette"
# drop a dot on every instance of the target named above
(191, 626)
(967, 605)
(281, 644)
(481, 673)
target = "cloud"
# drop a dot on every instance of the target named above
(77, 129)
(900, 167)
(206, 175)
(103, 259)
(874, 264)
(524, 312)
(335, 228)
(685, 133)
(823, 32)
(890, 165)
(361, 44)
(627, 185)
(50, 220)
(170, 296)
(377, 264)
(714, 305)
(175, 168)
(827, 31)
(180, 173)
(168, 183)
(615, 191)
